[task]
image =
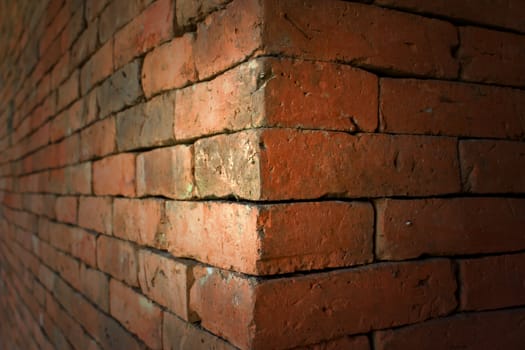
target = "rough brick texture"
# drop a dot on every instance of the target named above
(262, 174)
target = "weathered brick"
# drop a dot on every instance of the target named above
(167, 282)
(279, 92)
(120, 90)
(117, 258)
(411, 228)
(236, 30)
(270, 239)
(189, 11)
(450, 108)
(66, 209)
(95, 213)
(166, 171)
(98, 139)
(146, 125)
(94, 7)
(489, 166)
(490, 56)
(258, 165)
(116, 14)
(499, 13)
(97, 68)
(115, 175)
(492, 282)
(418, 45)
(169, 66)
(137, 313)
(320, 306)
(473, 331)
(153, 26)
(86, 43)
(68, 91)
(181, 335)
(139, 221)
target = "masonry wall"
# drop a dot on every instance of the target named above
(262, 174)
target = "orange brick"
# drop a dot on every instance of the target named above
(492, 282)
(76, 242)
(235, 30)
(448, 108)
(166, 172)
(412, 228)
(257, 165)
(167, 282)
(95, 286)
(188, 11)
(489, 166)
(153, 26)
(137, 313)
(115, 175)
(490, 56)
(95, 213)
(279, 92)
(117, 258)
(139, 221)
(271, 239)
(320, 306)
(98, 139)
(169, 66)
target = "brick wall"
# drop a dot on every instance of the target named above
(262, 174)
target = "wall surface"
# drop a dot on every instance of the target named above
(262, 174)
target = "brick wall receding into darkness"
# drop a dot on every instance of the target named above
(262, 174)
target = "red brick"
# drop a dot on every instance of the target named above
(40, 204)
(474, 331)
(320, 306)
(115, 175)
(68, 91)
(65, 152)
(95, 286)
(490, 56)
(181, 335)
(166, 172)
(76, 242)
(270, 239)
(236, 30)
(146, 125)
(99, 67)
(257, 165)
(279, 92)
(153, 26)
(499, 13)
(448, 108)
(169, 66)
(73, 29)
(417, 45)
(57, 75)
(98, 139)
(167, 282)
(139, 221)
(136, 313)
(117, 258)
(492, 282)
(411, 228)
(55, 27)
(95, 213)
(489, 166)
